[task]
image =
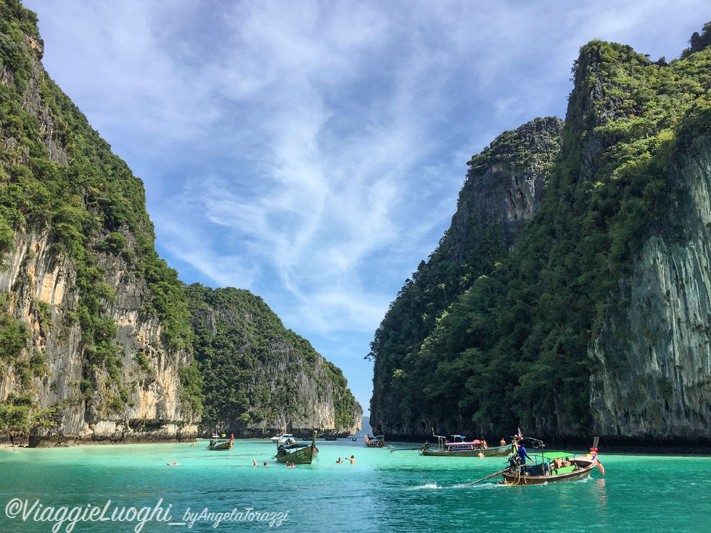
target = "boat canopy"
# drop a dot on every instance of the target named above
(552, 455)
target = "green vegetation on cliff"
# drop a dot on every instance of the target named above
(252, 366)
(480, 235)
(512, 348)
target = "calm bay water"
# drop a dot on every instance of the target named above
(383, 491)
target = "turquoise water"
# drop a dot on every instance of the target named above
(382, 491)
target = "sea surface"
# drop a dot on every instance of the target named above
(133, 488)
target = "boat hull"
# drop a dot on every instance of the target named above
(501, 451)
(226, 445)
(301, 456)
(515, 477)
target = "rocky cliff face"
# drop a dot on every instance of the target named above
(652, 376)
(142, 402)
(91, 357)
(259, 377)
(504, 188)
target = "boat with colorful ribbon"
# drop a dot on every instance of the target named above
(550, 467)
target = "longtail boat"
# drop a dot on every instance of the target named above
(375, 442)
(299, 453)
(551, 467)
(221, 444)
(458, 447)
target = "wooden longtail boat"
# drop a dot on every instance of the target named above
(551, 467)
(458, 447)
(297, 453)
(221, 444)
(375, 442)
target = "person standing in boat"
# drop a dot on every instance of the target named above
(522, 455)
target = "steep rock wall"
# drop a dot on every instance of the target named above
(43, 294)
(504, 188)
(661, 324)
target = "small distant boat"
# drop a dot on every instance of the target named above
(354, 439)
(375, 442)
(330, 437)
(221, 444)
(298, 453)
(458, 447)
(281, 436)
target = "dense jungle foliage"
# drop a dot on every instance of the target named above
(511, 350)
(250, 364)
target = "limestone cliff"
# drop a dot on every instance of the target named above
(93, 325)
(597, 319)
(259, 377)
(652, 377)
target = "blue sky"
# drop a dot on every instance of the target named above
(312, 151)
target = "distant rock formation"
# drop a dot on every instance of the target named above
(259, 377)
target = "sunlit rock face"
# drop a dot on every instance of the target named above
(42, 294)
